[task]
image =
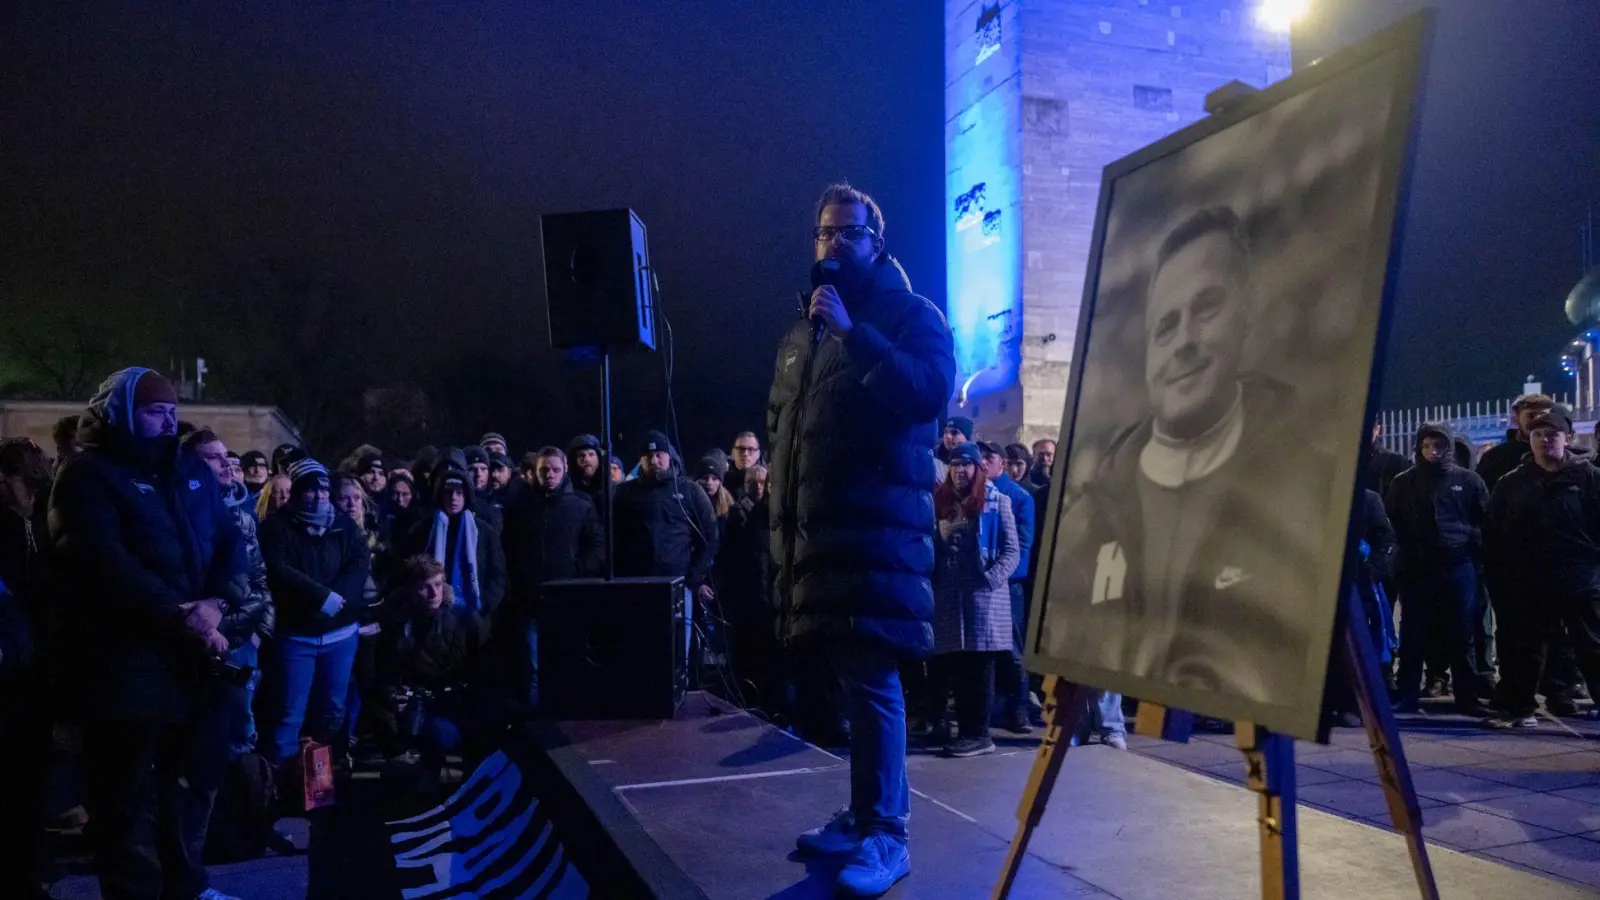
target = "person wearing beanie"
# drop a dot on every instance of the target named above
(283, 455)
(256, 471)
(150, 560)
(477, 467)
(977, 551)
(957, 430)
(372, 473)
(1543, 565)
(456, 529)
(709, 473)
(318, 564)
(584, 456)
(493, 442)
(664, 522)
(1437, 509)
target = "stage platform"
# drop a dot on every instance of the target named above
(724, 794)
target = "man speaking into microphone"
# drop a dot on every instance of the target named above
(858, 391)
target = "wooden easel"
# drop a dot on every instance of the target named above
(1269, 766)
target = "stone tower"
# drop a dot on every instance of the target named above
(1040, 95)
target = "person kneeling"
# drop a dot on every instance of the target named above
(435, 672)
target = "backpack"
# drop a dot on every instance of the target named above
(246, 808)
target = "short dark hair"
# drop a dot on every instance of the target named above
(65, 430)
(557, 452)
(1019, 453)
(199, 436)
(21, 456)
(842, 193)
(1209, 220)
(414, 570)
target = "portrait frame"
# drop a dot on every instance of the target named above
(1398, 54)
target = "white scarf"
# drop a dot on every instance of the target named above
(1172, 463)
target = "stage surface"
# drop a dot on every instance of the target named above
(724, 795)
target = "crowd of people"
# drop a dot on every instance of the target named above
(189, 609)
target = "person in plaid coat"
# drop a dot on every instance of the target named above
(975, 554)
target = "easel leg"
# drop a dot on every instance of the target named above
(1064, 704)
(1269, 771)
(1361, 659)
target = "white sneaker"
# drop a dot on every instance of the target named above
(836, 837)
(214, 894)
(1115, 739)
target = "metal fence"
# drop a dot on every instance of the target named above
(1480, 423)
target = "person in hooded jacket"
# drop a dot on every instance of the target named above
(551, 532)
(318, 564)
(665, 524)
(249, 621)
(1384, 464)
(24, 673)
(458, 532)
(151, 559)
(587, 468)
(852, 418)
(1437, 510)
(1543, 565)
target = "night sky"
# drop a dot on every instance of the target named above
(148, 156)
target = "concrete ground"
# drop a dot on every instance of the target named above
(1507, 815)
(1527, 798)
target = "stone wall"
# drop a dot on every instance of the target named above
(1095, 80)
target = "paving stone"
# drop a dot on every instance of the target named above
(1453, 787)
(1471, 829)
(1562, 814)
(1545, 773)
(1355, 799)
(1573, 858)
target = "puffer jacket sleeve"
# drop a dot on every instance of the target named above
(1008, 550)
(492, 580)
(253, 614)
(912, 373)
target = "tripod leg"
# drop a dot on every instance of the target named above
(1064, 705)
(1269, 772)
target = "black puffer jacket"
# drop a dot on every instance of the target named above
(253, 614)
(303, 568)
(851, 425)
(137, 534)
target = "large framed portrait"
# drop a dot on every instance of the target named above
(1225, 370)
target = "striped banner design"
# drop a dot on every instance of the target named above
(488, 841)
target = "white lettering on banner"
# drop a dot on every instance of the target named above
(1110, 571)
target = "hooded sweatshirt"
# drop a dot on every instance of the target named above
(1437, 509)
(1543, 533)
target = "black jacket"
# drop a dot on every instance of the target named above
(139, 529)
(1382, 549)
(303, 568)
(851, 425)
(253, 614)
(490, 559)
(1437, 512)
(1543, 534)
(431, 652)
(746, 564)
(1498, 461)
(665, 526)
(25, 552)
(1383, 466)
(548, 536)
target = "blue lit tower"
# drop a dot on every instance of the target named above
(1039, 96)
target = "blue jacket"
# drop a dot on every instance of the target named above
(139, 533)
(851, 425)
(1022, 510)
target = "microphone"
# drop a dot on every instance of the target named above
(824, 271)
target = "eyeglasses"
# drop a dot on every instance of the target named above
(824, 234)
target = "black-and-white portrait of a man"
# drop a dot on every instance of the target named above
(1215, 433)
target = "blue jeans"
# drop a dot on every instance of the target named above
(238, 700)
(880, 797)
(311, 675)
